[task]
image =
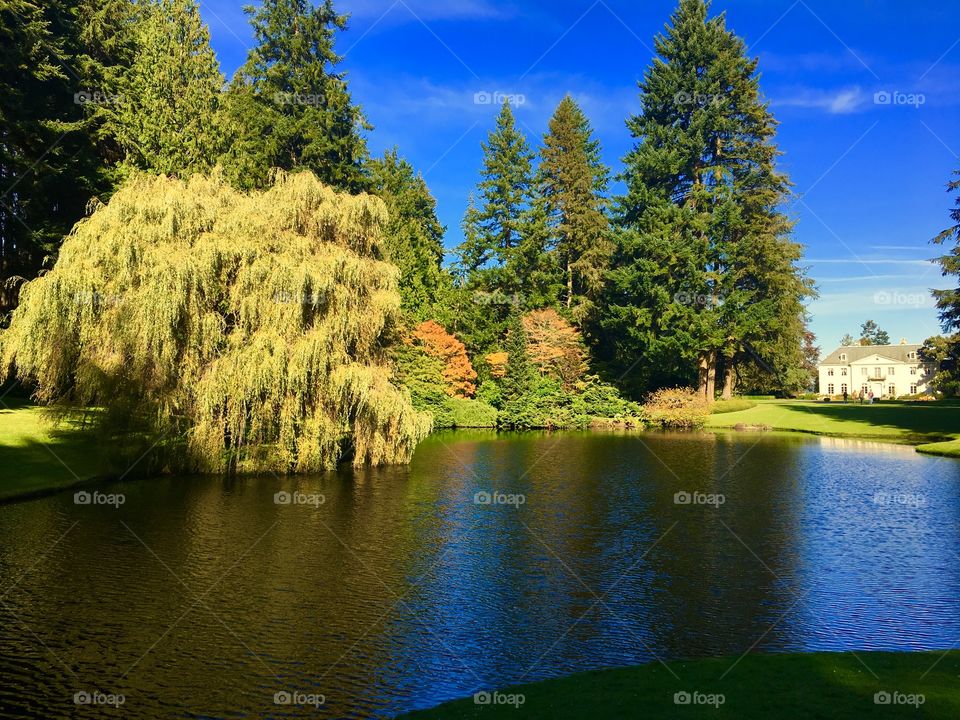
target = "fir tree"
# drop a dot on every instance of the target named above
(495, 226)
(50, 165)
(572, 181)
(166, 120)
(705, 273)
(413, 237)
(518, 377)
(288, 107)
(871, 334)
(948, 301)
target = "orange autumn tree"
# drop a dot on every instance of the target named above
(458, 373)
(497, 361)
(555, 346)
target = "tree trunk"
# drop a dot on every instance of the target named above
(728, 380)
(708, 375)
(569, 284)
(712, 379)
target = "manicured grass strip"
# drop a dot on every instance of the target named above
(812, 685)
(914, 423)
(946, 449)
(36, 455)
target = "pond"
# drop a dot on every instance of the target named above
(491, 560)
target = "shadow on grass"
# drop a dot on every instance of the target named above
(922, 421)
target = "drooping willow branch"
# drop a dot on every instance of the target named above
(253, 325)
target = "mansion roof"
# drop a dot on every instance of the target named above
(896, 353)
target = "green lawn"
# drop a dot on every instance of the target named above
(36, 455)
(817, 685)
(926, 424)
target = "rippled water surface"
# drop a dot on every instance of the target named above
(203, 597)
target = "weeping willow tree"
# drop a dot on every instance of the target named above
(250, 328)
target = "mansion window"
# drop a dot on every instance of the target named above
(830, 372)
(891, 371)
(830, 389)
(913, 389)
(844, 389)
(864, 371)
(892, 391)
(865, 389)
(911, 356)
(843, 357)
(913, 371)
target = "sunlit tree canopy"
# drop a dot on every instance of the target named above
(250, 327)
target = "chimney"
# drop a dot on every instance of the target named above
(903, 341)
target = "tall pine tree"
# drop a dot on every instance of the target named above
(948, 301)
(705, 271)
(413, 236)
(497, 223)
(288, 107)
(166, 117)
(50, 164)
(573, 181)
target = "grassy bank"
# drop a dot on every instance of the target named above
(36, 456)
(817, 685)
(935, 426)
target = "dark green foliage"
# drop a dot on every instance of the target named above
(49, 164)
(705, 275)
(572, 181)
(948, 301)
(871, 334)
(288, 107)
(166, 117)
(422, 375)
(413, 236)
(944, 352)
(504, 253)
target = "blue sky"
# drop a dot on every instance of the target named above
(869, 170)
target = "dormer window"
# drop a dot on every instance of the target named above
(911, 355)
(843, 356)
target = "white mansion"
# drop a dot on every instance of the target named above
(888, 371)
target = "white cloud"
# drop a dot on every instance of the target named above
(835, 102)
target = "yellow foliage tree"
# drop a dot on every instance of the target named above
(252, 327)
(555, 346)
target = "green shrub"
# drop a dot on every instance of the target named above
(729, 406)
(677, 408)
(471, 413)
